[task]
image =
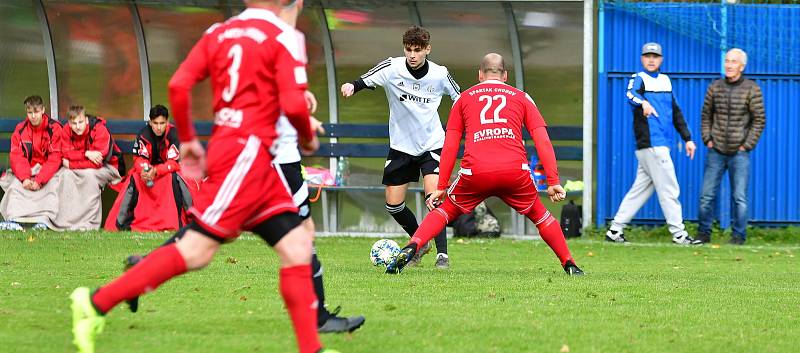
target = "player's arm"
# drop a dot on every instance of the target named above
(452, 140)
(707, 116)
(53, 162)
(191, 71)
(19, 164)
(634, 87)
(290, 74)
(451, 87)
(544, 149)
(171, 164)
(370, 79)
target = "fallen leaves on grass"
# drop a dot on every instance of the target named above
(231, 260)
(590, 254)
(564, 349)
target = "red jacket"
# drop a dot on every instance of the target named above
(36, 145)
(160, 152)
(96, 137)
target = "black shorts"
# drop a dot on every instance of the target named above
(402, 168)
(292, 176)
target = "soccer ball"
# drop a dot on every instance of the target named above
(383, 251)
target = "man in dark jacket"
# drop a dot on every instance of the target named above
(732, 121)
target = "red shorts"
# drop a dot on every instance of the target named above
(242, 188)
(514, 187)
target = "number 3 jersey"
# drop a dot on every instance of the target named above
(255, 64)
(491, 115)
(414, 125)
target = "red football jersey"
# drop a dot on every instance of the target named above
(256, 68)
(492, 114)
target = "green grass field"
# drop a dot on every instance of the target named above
(499, 296)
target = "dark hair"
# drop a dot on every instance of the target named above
(74, 111)
(159, 110)
(416, 35)
(34, 101)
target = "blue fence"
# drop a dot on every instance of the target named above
(693, 36)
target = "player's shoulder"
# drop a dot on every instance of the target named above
(437, 69)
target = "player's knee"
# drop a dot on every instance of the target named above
(197, 249)
(295, 248)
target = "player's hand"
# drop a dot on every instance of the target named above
(308, 148)
(311, 101)
(556, 193)
(741, 148)
(148, 175)
(65, 162)
(35, 185)
(316, 125)
(348, 89)
(648, 109)
(710, 144)
(436, 199)
(27, 184)
(95, 156)
(193, 160)
(690, 148)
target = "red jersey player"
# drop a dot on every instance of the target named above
(491, 114)
(252, 60)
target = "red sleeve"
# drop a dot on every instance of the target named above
(290, 73)
(533, 118)
(173, 154)
(83, 164)
(101, 140)
(546, 154)
(53, 162)
(19, 164)
(452, 140)
(194, 69)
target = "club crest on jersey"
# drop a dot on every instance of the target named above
(401, 84)
(415, 87)
(431, 89)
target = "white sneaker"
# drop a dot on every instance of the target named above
(683, 239)
(442, 261)
(10, 225)
(40, 226)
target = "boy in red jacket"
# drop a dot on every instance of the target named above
(91, 160)
(35, 159)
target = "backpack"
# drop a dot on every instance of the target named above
(571, 219)
(481, 222)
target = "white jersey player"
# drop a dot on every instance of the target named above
(414, 87)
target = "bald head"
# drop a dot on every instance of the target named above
(493, 67)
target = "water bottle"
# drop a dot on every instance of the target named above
(148, 183)
(342, 171)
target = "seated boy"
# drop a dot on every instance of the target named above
(91, 160)
(31, 185)
(154, 197)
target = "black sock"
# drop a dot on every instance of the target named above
(404, 217)
(316, 277)
(441, 242)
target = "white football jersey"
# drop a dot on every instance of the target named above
(284, 148)
(414, 125)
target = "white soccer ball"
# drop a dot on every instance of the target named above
(383, 251)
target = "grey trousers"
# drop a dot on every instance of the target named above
(655, 173)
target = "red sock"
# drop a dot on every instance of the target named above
(160, 266)
(431, 226)
(301, 302)
(551, 233)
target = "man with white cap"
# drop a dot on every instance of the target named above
(655, 114)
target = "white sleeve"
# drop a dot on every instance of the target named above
(378, 75)
(451, 86)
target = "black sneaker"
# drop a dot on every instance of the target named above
(701, 239)
(615, 236)
(736, 241)
(401, 260)
(129, 262)
(337, 324)
(573, 270)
